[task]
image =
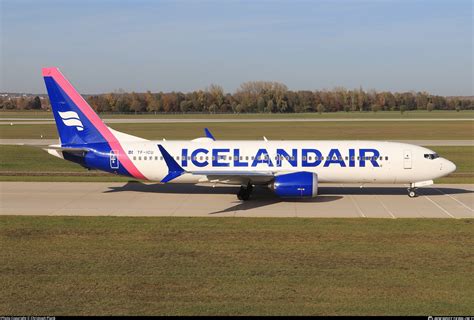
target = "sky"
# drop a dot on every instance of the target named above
(136, 45)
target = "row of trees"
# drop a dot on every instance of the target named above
(261, 97)
(23, 103)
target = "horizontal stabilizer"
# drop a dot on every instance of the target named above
(59, 151)
(66, 149)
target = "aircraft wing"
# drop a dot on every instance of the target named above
(237, 177)
(229, 177)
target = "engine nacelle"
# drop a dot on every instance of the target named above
(296, 185)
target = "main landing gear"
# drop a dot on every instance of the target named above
(245, 192)
(412, 192)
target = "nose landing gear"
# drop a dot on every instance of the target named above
(412, 192)
(245, 192)
(415, 185)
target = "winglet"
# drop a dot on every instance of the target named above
(174, 169)
(209, 134)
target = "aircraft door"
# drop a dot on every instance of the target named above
(114, 163)
(407, 159)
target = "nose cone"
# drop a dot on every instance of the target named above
(449, 166)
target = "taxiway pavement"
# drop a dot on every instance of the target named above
(452, 201)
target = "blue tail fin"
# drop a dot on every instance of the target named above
(76, 121)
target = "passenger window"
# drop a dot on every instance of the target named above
(386, 158)
(304, 158)
(139, 158)
(134, 158)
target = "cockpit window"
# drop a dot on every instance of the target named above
(431, 156)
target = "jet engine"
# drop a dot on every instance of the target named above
(296, 185)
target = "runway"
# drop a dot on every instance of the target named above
(45, 142)
(136, 199)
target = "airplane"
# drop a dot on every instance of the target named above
(292, 169)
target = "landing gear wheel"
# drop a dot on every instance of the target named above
(412, 193)
(241, 193)
(245, 192)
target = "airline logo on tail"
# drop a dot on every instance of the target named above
(71, 119)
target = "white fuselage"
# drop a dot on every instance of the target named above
(290, 168)
(332, 161)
